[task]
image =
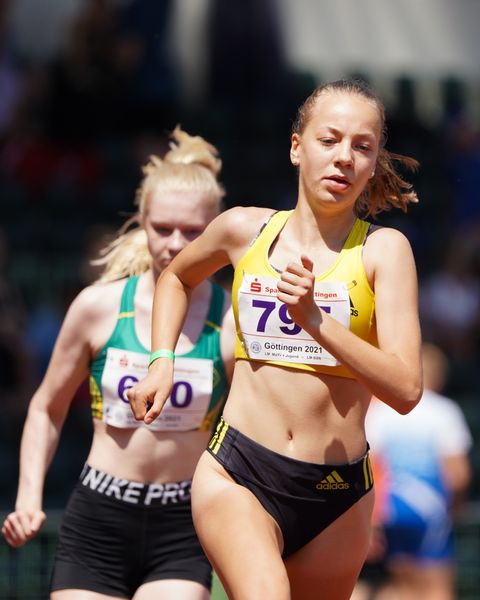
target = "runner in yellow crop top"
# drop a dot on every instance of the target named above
(266, 333)
(282, 498)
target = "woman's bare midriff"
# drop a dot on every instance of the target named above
(312, 417)
(152, 457)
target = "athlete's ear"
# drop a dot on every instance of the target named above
(294, 149)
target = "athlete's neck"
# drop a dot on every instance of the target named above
(321, 229)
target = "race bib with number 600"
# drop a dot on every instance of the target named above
(184, 410)
(268, 331)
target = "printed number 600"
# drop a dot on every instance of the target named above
(181, 396)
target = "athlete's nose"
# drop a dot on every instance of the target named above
(344, 154)
(176, 241)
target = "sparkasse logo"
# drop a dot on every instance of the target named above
(255, 286)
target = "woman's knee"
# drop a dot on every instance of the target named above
(257, 583)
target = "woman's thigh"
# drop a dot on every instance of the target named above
(82, 595)
(329, 565)
(241, 540)
(172, 589)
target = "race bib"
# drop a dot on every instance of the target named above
(184, 410)
(268, 331)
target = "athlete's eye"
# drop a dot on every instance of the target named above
(191, 234)
(164, 231)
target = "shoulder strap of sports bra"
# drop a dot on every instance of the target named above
(127, 306)
(357, 234)
(215, 311)
(272, 225)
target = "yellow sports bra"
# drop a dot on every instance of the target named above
(265, 331)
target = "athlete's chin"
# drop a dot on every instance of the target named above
(333, 199)
(162, 264)
(338, 194)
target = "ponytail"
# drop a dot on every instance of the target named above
(191, 164)
(388, 189)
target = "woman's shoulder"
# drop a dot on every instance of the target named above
(242, 223)
(92, 313)
(387, 250)
(99, 298)
(386, 239)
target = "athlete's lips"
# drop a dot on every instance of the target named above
(339, 178)
(337, 183)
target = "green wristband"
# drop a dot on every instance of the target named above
(161, 354)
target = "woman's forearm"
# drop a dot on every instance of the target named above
(39, 442)
(395, 381)
(170, 307)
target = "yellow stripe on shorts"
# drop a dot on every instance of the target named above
(217, 439)
(366, 472)
(369, 464)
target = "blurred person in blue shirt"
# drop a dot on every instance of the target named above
(426, 474)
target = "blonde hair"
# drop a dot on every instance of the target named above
(191, 164)
(386, 189)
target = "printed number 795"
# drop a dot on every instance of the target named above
(268, 307)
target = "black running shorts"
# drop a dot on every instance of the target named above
(304, 498)
(117, 535)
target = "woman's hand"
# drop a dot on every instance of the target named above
(296, 290)
(148, 397)
(22, 525)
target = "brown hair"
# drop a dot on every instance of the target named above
(387, 189)
(191, 164)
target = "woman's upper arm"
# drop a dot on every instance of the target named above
(396, 296)
(223, 242)
(70, 359)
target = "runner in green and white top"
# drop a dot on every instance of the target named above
(200, 384)
(134, 473)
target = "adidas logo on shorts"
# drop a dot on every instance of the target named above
(332, 482)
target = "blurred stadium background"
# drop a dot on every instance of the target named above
(89, 88)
